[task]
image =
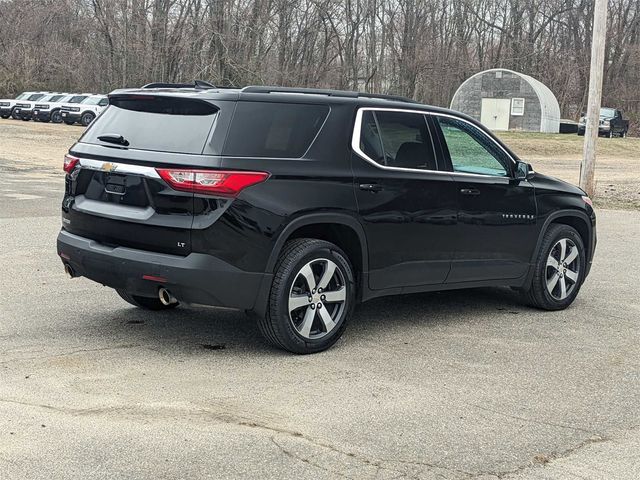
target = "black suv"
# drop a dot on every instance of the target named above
(297, 204)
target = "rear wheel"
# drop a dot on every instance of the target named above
(559, 270)
(312, 297)
(148, 303)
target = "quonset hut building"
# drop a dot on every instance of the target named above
(502, 99)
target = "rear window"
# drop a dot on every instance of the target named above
(162, 124)
(284, 130)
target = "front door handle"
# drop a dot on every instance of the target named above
(469, 191)
(371, 187)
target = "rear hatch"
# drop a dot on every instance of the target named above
(115, 193)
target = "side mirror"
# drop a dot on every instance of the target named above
(522, 170)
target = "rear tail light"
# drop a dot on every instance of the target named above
(587, 200)
(70, 162)
(211, 182)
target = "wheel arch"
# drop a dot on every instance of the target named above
(574, 218)
(339, 229)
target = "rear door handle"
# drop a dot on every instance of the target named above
(469, 191)
(371, 187)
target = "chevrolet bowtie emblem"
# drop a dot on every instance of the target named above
(108, 167)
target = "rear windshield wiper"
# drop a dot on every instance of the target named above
(114, 138)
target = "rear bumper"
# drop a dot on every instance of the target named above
(196, 278)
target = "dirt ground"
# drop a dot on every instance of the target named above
(617, 172)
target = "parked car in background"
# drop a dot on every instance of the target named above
(85, 111)
(24, 109)
(50, 111)
(7, 106)
(611, 123)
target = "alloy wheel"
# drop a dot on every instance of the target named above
(563, 269)
(317, 299)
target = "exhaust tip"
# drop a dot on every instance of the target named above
(165, 297)
(68, 269)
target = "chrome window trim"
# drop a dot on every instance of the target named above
(357, 129)
(115, 167)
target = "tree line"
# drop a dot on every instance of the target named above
(422, 49)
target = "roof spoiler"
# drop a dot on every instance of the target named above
(197, 84)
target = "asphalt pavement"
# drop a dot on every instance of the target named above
(454, 385)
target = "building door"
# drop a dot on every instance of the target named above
(495, 113)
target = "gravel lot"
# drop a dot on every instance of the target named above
(453, 385)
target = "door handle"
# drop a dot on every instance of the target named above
(469, 191)
(371, 187)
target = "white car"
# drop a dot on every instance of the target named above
(50, 111)
(24, 108)
(84, 112)
(7, 105)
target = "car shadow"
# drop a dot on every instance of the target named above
(207, 330)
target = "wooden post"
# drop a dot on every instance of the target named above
(587, 169)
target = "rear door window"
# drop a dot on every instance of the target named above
(164, 124)
(265, 129)
(397, 139)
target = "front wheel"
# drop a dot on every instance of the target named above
(311, 299)
(56, 116)
(148, 303)
(87, 118)
(559, 269)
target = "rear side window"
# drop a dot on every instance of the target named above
(163, 124)
(285, 130)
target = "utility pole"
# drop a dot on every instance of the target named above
(587, 169)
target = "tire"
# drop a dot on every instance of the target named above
(546, 289)
(317, 323)
(14, 115)
(87, 118)
(68, 122)
(5, 116)
(56, 117)
(147, 303)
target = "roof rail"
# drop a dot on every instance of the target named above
(197, 84)
(314, 91)
(396, 98)
(323, 91)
